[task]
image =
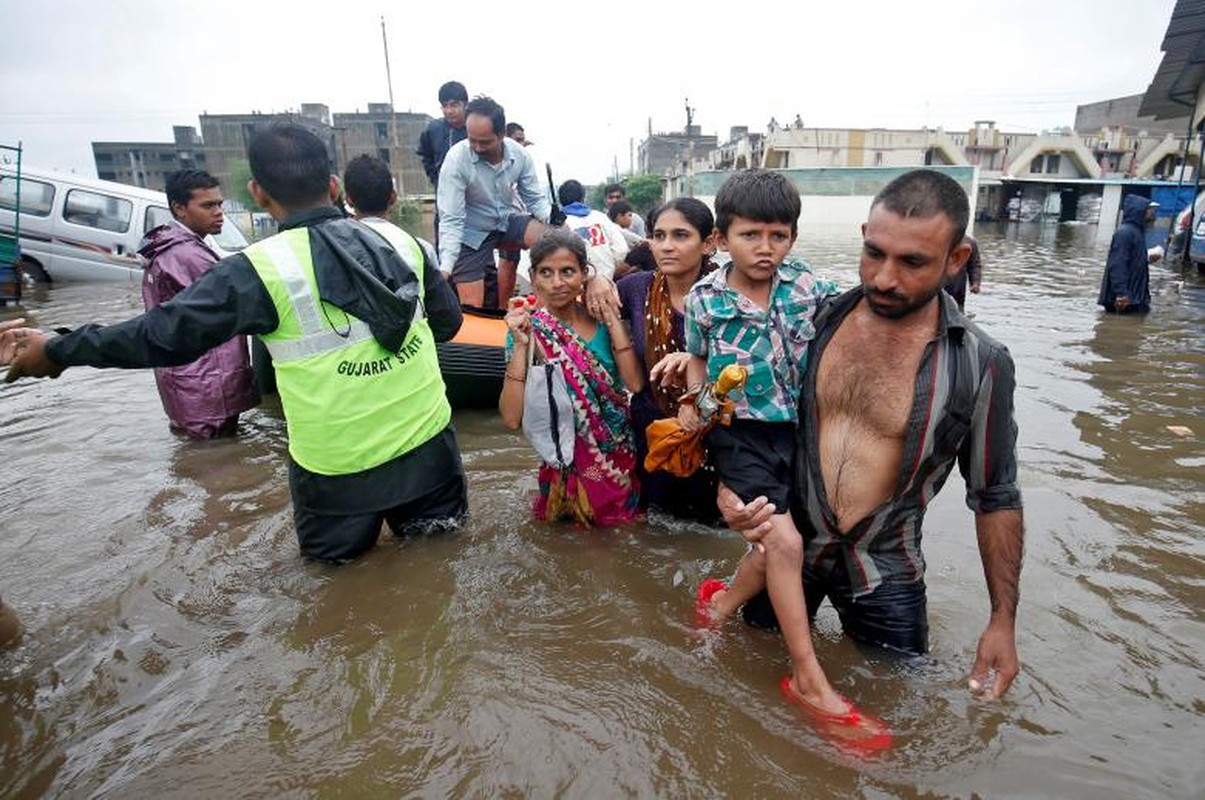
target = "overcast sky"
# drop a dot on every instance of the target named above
(585, 79)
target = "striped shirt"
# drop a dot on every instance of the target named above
(725, 327)
(962, 410)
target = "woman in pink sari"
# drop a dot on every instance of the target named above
(600, 370)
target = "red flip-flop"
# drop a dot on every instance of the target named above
(707, 590)
(854, 731)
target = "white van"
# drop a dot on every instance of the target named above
(82, 229)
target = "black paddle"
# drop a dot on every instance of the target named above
(557, 217)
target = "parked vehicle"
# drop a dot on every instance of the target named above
(81, 229)
(1195, 240)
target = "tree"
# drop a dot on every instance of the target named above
(643, 192)
(236, 188)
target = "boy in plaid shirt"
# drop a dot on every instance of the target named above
(757, 312)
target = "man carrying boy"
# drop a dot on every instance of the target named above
(757, 312)
(898, 386)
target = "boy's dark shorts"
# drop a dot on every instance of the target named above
(755, 458)
(473, 263)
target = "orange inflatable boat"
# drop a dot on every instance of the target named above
(474, 361)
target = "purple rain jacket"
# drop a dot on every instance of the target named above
(203, 396)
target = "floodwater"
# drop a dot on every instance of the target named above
(177, 645)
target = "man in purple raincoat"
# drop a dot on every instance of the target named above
(203, 398)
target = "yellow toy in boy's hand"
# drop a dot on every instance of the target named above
(681, 452)
(715, 403)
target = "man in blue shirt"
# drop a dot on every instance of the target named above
(477, 188)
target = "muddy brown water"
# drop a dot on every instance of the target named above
(177, 646)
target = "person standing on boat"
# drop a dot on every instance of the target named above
(351, 323)
(1125, 287)
(440, 134)
(477, 188)
(899, 386)
(205, 397)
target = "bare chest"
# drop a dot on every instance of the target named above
(868, 382)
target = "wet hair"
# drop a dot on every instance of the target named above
(554, 239)
(487, 107)
(696, 213)
(291, 164)
(368, 184)
(571, 191)
(512, 128)
(617, 208)
(925, 193)
(615, 187)
(180, 185)
(453, 90)
(760, 195)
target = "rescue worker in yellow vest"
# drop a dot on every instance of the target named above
(351, 317)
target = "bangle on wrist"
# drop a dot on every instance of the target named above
(515, 378)
(623, 349)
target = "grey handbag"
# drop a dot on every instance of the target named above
(548, 410)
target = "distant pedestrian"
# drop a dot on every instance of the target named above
(1125, 287)
(971, 274)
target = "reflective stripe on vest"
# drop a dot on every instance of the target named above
(409, 250)
(316, 335)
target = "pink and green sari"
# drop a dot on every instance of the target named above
(600, 487)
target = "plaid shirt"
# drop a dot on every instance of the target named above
(962, 410)
(725, 327)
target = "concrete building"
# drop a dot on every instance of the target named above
(147, 164)
(670, 153)
(371, 132)
(226, 136)
(1013, 168)
(222, 144)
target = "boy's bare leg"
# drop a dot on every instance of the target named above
(784, 581)
(750, 579)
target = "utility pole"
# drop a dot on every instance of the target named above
(393, 148)
(690, 150)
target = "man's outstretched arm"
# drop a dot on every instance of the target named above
(1001, 545)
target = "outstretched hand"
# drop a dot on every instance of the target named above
(751, 520)
(9, 339)
(24, 350)
(996, 663)
(670, 371)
